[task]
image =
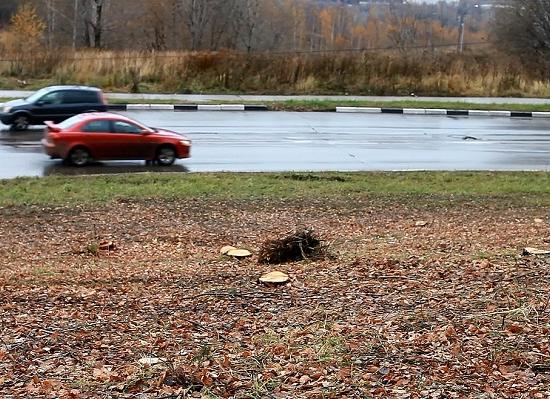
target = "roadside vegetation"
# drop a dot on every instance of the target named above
(99, 189)
(309, 47)
(422, 74)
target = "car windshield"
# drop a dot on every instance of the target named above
(36, 96)
(67, 123)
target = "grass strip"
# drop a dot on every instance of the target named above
(59, 190)
(330, 105)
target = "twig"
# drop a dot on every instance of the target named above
(502, 312)
(394, 278)
(253, 294)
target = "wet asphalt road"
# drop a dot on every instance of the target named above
(306, 141)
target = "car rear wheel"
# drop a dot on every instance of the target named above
(21, 122)
(166, 156)
(79, 156)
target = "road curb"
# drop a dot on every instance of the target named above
(446, 112)
(358, 110)
(186, 107)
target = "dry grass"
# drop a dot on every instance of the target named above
(487, 73)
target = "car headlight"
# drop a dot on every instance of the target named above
(185, 142)
(7, 108)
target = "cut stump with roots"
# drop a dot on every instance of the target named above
(294, 247)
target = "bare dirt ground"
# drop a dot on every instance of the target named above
(426, 299)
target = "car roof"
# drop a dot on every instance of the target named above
(71, 87)
(105, 115)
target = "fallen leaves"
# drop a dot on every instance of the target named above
(151, 361)
(448, 311)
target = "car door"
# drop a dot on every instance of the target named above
(128, 140)
(97, 136)
(79, 101)
(73, 103)
(91, 100)
(49, 107)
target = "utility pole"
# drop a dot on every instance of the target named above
(75, 16)
(462, 11)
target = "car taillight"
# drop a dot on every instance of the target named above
(51, 137)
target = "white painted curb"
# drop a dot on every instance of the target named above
(162, 107)
(359, 110)
(500, 113)
(131, 107)
(436, 111)
(477, 112)
(232, 107)
(541, 114)
(414, 111)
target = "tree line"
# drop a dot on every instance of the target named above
(248, 25)
(520, 28)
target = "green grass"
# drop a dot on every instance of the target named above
(57, 190)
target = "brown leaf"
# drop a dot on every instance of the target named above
(514, 328)
(304, 379)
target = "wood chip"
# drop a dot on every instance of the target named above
(107, 246)
(535, 251)
(274, 278)
(239, 253)
(226, 249)
(151, 361)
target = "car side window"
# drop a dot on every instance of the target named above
(125, 127)
(99, 126)
(52, 98)
(72, 97)
(90, 97)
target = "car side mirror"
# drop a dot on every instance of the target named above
(39, 103)
(145, 132)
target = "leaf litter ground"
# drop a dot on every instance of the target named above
(444, 308)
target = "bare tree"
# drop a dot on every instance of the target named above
(94, 22)
(225, 26)
(197, 15)
(249, 15)
(403, 29)
(523, 27)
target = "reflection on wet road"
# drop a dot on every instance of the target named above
(99, 168)
(277, 141)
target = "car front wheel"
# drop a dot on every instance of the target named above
(20, 122)
(166, 156)
(79, 156)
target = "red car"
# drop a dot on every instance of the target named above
(108, 136)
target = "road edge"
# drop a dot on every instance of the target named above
(363, 110)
